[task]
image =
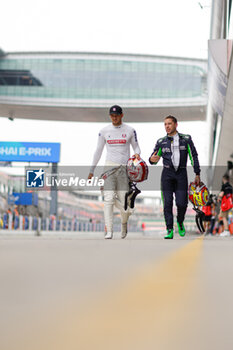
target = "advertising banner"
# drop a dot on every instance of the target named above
(23, 198)
(29, 152)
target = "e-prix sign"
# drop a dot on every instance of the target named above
(30, 152)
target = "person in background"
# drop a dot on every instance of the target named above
(225, 197)
(214, 215)
(209, 211)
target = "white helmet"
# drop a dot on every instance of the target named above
(137, 170)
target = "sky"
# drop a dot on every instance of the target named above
(173, 28)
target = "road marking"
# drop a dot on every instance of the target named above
(151, 310)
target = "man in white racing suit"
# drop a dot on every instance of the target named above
(117, 137)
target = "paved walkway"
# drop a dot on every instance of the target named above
(82, 292)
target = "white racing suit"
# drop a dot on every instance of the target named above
(117, 140)
(116, 185)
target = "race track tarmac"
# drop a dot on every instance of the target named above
(81, 292)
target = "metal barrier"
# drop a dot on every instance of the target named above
(30, 223)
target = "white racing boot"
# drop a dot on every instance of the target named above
(108, 214)
(108, 235)
(124, 230)
(125, 214)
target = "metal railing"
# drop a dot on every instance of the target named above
(34, 223)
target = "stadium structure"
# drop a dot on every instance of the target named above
(82, 86)
(220, 91)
